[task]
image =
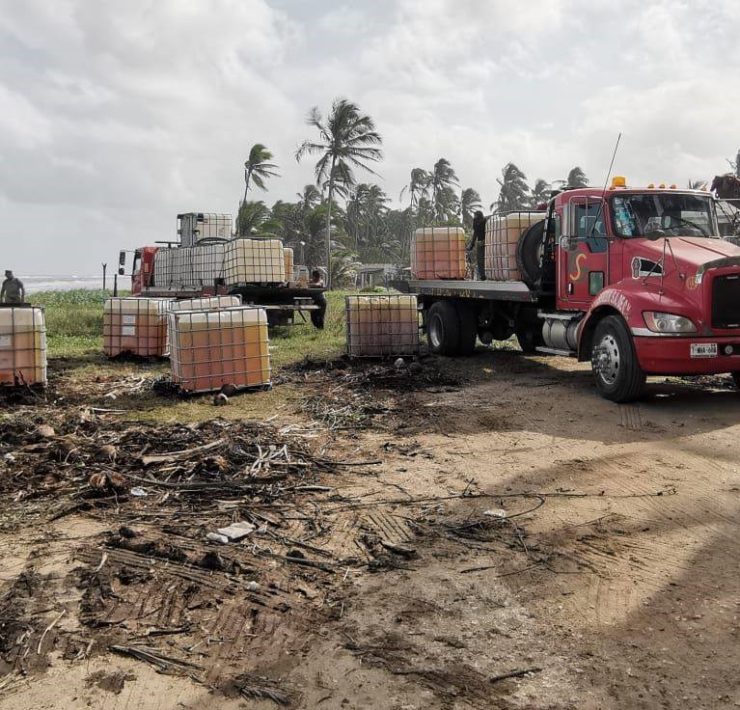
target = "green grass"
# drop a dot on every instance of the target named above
(74, 320)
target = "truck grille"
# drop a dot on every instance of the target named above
(726, 301)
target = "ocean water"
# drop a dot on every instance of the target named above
(37, 283)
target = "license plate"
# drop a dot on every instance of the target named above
(703, 349)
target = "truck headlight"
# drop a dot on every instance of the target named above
(668, 323)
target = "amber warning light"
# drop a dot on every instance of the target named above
(619, 181)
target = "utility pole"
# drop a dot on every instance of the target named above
(105, 266)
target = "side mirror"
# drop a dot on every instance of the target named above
(121, 258)
(569, 243)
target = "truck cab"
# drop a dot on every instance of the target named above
(142, 269)
(641, 283)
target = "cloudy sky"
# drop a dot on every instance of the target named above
(118, 115)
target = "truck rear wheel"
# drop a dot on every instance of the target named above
(617, 372)
(443, 329)
(468, 328)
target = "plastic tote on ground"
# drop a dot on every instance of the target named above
(438, 253)
(382, 325)
(210, 349)
(22, 345)
(502, 237)
(249, 261)
(135, 326)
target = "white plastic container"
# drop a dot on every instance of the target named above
(248, 261)
(135, 326)
(382, 325)
(502, 237)
(189, 267)
(438, 253)
(22, 345)
(210, 349)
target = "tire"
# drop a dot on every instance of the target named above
(529, 254)
(468, 328)
(530, 338)
(528, 331)
(617, 372)
(443, 329)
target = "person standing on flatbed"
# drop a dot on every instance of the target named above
(479, 241)
(12, 290)
(317, 317)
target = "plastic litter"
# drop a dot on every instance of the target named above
(236, 531)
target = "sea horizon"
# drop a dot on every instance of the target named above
(33, 283)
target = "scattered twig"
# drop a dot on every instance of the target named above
(49, 628)
(514, 674)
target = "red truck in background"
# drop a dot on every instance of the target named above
(635, 280)
(206, 229)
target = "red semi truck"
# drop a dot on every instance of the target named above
(635, 280)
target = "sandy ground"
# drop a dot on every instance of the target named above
(594, 558)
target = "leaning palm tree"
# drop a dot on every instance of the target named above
(347, 140)
(443, 181)
(418, 185)
(514, 193)
(257, 168)
(541, 191)
(469, 203)
(576, 178)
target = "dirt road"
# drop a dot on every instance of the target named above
(524, 544)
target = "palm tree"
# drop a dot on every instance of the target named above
(576, 178)
(251, 217)
(444, 198)
(418, 186)
(258, 168)
(541, 191)
(514, 190)
(347, 140)
(469, 203)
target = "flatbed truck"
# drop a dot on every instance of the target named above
(637, 281)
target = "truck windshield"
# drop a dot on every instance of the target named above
(663, 215)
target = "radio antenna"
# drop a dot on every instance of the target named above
(606, 183)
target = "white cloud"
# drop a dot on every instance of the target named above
(117, 115)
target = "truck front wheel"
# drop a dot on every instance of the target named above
(617, 372)
(443, 329)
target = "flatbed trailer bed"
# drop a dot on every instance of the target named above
(486, 290)
(280, 301)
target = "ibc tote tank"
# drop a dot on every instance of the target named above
(438, 253)
(136, 326)
(22, 345)
(288, 254)
(382, 325)
(502, 237)
(210, 349)
(254, 261)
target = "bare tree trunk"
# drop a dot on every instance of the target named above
(247, 175)
(328, 225)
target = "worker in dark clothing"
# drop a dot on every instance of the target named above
(12, 290)
(317, 317)
(479, 242)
